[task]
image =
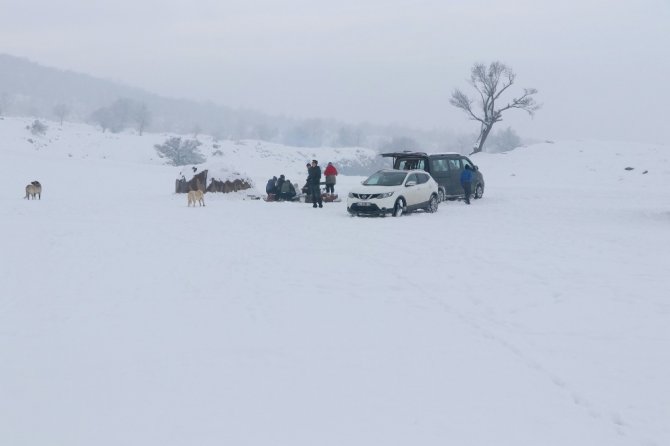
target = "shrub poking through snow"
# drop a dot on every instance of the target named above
(180, 152)
(38, 128)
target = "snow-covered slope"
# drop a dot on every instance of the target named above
(255, 160)
(538, 315)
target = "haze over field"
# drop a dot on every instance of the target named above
(600, 66)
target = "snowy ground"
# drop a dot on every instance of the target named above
(537, 316)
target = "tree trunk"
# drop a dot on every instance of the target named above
(483, 134)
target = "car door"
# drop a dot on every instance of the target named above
(440, 171)
(423, 188)
(412, 193)
(454, 188)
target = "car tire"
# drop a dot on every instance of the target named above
(479, 192)
(441, 196)
(399, 207)
(433, 203)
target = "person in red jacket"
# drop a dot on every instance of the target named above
(330, 173)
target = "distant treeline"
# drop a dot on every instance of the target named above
(29, 89)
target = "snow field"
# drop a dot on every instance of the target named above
(537, 315)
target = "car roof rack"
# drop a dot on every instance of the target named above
(403, 153)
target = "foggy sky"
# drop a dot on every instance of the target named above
(602, 67)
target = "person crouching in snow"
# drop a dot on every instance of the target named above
(330, 173)
(287, 191)
(271, 187)
(280, 183)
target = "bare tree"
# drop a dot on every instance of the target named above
(116, 116)
(490, 83)
(142, 117)
(103, 117)
(61, 111)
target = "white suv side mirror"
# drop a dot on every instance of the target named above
(410, 184)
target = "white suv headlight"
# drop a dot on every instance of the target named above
(385, 195)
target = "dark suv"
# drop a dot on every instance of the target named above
(445, 168)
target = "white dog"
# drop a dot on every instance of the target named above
(33, 189)
(196, 196)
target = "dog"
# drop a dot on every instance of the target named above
(196, 196)
(33, 189)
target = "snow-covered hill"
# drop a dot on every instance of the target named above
(256, 160)
(538, 315)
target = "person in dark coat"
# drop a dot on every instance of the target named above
(271, 187)
(287, 191)
(466, 182)
(314, 183)
(280, 183)
(305, 188)
(330, 172)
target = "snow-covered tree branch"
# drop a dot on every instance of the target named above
(491, 82)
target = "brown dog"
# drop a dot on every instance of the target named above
(33, 189)
(196, 196)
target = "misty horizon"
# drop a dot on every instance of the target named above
(33, 90)
(598, 65)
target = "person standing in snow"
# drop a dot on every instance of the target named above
(330, 173)
(466, 182)
(305, 188)
(314, 183)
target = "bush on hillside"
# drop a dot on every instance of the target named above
(180, 152)
(502, 141)
(38, 127)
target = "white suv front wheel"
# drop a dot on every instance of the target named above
(399, 207)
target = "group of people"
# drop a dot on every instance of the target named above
(281, 188)
(313, 186)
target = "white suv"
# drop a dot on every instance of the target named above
(394, 192)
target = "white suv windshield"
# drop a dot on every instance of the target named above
(385, 179)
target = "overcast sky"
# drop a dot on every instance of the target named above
(602, 67)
